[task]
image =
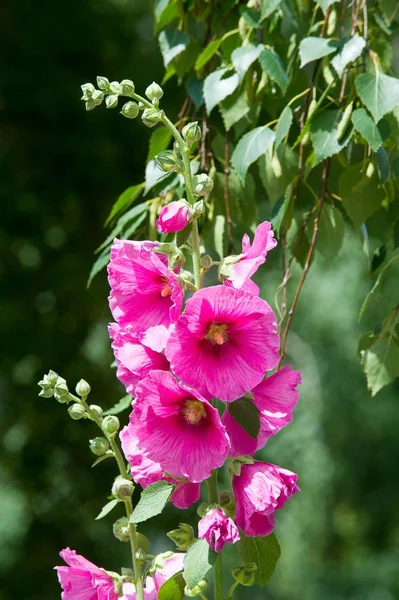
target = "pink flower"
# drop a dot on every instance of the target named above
(217, 529)
(150, 592)
(167, 564)
(83, 580)
(261, 489)
(177, 428)
(144, 292)
(224, 342)
(275, 397)
(135, 358)
(175, 216)
(237, 270)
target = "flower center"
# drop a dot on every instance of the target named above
(194, 411)
(167, 289)
(217, 334)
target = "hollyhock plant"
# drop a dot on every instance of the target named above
(175, 216)
(177, 428)
(217, 529)
(224, 342)
(260, 490)
(276, 398)
(144, 292)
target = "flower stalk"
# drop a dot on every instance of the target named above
(218, 568)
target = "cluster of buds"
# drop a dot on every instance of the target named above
(111, 92)
(54, 385)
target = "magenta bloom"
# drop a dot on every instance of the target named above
(217, 529)
(276, 398)
(135, 358)
(144, 292)
(83, 580)
(177, 428)
(261, 489)
(167, 565)
(224, 342)
(150, 592)
(175, 216)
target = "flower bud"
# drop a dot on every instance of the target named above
(141, 555)
(83, 389)
(150, 117)
(203, 184)
(196, 590)
(127, 87)
(228, 502)
(88, 89)
(191, 133)
(130, 110)
(76, 412)
(167, 160)
(97, 411)
(61, 392)
(46, 392)
(154, 91)
(99, 446)
(182, 537)
(245, 575)
(115, 87)
(111, 101)
(52, 378)
(174, 216)
(122, 489)
(143, 542)
(97, 97)
(110, 425)
(120, 529)
(206, 261)
(102, 83)
(199, 207)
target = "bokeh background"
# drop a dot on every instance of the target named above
(61, 169)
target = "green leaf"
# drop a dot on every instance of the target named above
(220, 221)
(283, 125)
(250, 147)
(280, 209)
(159, 141)
(100, 459)
(396, 234)
(378, 258)
(360, 192)
(272, 64)
(384, 169)
(365, 125)
(350, 52)
(152, 501)
(389, 269)
(278, 170)
(197, 562)
(263, 551)
(128, 232)
(246, 413)
(380, 363)
(243, 57)
(378, 92)
(331, 232)
(183, 235)
(121, 405)
(207, 54)
(165, 11)
(194, 90)
(173, 588)
(122, 222)
(234, 108)
(323, 129)
(100, 263)
(126, 198)
(313, 48)
(153, 175)
(217, 89)
(267, 7)
(172, 43)
(107, 509)
(251, 16)
(324, 4)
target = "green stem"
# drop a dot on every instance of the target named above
(218, 569)
(231, 590)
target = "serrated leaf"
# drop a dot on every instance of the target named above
(159, 141)
(198, 561)
(122, 222)
(383, 273)
(172, 43)
(173, 588)
(313, 48)
(280, 209)
(219, 227)
(165, 11)
(250, 147)
(272, 64)
(323, 129)
(283, 125)
(263, 551)
(207, 53)
(365, 125)
(234, 108)
(246, 413)
(360, 192)
(183, 235)
(126, 198)
(152, 501)
(324, 4)
(107, 509)
(378, 92)
(100, 263)
(384, 169)
(217, 89)
(331, 232)
(267, 7)
(243, 57)
(128, 232)
(380, 363)
(120, 406)
(349, 52)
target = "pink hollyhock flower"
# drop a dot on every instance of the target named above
(237, 270)
(135, 358)
(217, 529)
(167, 564)
(175, 216)
(150, 592)
(144, 292)
(276, 398)
(177, 428)
(224, 342)
(260, 490)
(83, 580)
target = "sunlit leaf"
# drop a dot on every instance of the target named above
(216, 88)
(378, 92)
(152, 501)
(250, 147)
(365, 125)
(198, 561)
(263, 551)
(272, 64)
(350, 52)
(313, 48)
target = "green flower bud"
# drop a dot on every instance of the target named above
(182, 537)
(167, 160)
(61, 392)
(196, 590)
(111, 101)
(99, 446)
(83, 389)
(141, 555)
(206, 261)
(76, 412)
(52, 378)
(102, 83)
(130, 110)
(202, 184)
(127, 573)
(122, 489)
(154, 91)
(141, 105)
(46, 392)
(97, 97)
(199, 207)
(88, 89)
(191, 133)
(150, 117)
(120, 529)
(228, 502)
(143, 542)
(97, 410)
(245, 575)
(110, 425)
(127, 87)
(115, 87)
(118, 586)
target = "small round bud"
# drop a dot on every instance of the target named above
(97, 97)
(127, 87)
(143, 542)
(115, 87)
(176, 147)
(110, 425)
(88, 89)
(167, 160)
(83, 389)
(150, 117)
(154, 91)
(46, 392)
(196, 590)
(202, 184)
(111, 101)
(61, 392)
(99, 446)
(206, 261)
(130, 110)
(245, 575)
(122, 489)
(199, 207)
(120, 529)
(102, 83)
(182, 537)
(97, 410)
(191, 133)
(76, 412)
(53, 377)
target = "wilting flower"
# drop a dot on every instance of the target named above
(260, 490)
(167, 564)
(144, 292)
(175, 216)
(177, 428)
(83, 580)
(237, 270)
(275, 398)
(224, 342)
(217, 529)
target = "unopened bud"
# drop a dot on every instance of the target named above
(83, 389)
(141, 555)
(76, 412)
(203, 184)
(182, 537)
(61, 392)
(88, 89)
(102, 83)
(122, 488)
(196, 590)
(245, 575)
(167, 160)
(191, 133)
(154, 91)
(99, 446)
(130, 110)
(52, 377)
(46, 392)
(120, 529)
(115, 87)
(97, 97)
(150, 117)
(199, 207)
(228, 502)
(110, 425)
(111, 101)
(118, 586)
(127, 87)
(143, 542)
(206, 261)
(97, 411)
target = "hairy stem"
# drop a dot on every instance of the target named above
(218, 569)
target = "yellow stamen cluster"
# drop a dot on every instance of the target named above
(194, 411)
(217, 334)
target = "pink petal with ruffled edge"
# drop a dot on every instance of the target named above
(83, 580)
(175, 216)
(172, 565)
(217, 529)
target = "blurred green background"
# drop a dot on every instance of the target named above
(61, 170)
